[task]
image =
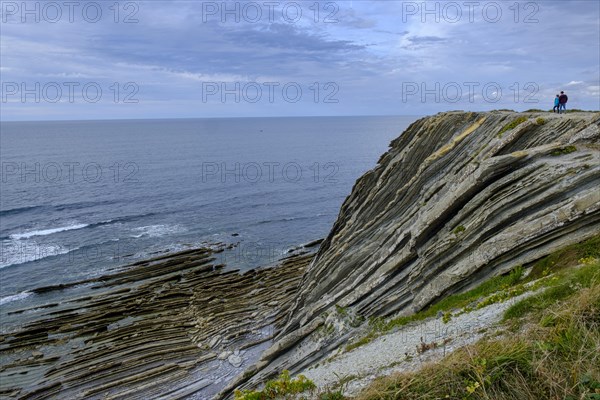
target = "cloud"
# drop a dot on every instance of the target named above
(371, 52)
(425, 39)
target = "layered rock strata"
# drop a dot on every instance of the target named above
(170, 327)
(460, 197)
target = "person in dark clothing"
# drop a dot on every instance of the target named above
(562, 102)
(556, 104)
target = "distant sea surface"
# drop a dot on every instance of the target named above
(81, 198)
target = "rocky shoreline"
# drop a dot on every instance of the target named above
(176, 326)
(459, 198)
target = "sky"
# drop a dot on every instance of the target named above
(62, 60)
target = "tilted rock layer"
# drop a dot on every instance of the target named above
(158, 329)
(459, 197)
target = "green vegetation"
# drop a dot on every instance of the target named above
(563, 287)
(459, 229)
(298, 389)
(461, 301)
(331, 395)
(565, 284)
(341, 310)
(555, 358)
(351, 318)
(494, 290)
(364, 340)
(566, 257)
(512, 125)
(531, 110)
(564, 150)
(540, 121)
(282, 388)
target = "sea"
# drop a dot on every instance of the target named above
(80, 199)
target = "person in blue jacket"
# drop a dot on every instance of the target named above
(556, 103)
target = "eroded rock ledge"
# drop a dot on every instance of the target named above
(459, 197)
(169, 327)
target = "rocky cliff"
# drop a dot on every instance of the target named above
(458, 198)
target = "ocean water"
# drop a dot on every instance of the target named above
(81, 198)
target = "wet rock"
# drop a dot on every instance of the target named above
(314, 243)
(163, 314)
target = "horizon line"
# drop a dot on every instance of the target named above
(234, 117)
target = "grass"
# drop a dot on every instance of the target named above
(282, 388)
(331, 395)
(458, 230)
(565, 285)
(452, 302)
(540, 121)
(564, 150)
(512, 125)
(298, 388)
(363, 340)
(494, 290)
(557, 357)
(566, 257)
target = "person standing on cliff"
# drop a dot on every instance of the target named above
(562, 100)
(556, 103)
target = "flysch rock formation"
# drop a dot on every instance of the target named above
(177, 326)
(459, 197)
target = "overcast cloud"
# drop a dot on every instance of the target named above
(171, 59)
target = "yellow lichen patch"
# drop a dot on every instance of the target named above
(445, 149)
(520, 153)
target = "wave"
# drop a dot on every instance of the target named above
(14, 297)
(58, 207)
(158, 230)
(15, 252)
(126, 218)
(284, 219)
(18, 210)
(83, 204)
(50, 231)
(45, 232)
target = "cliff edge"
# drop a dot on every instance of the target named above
(459, 197)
